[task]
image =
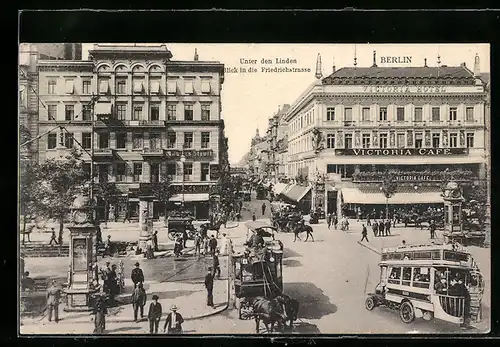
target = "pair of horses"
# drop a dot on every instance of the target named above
(278, 310)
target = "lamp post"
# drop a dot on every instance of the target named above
(183, 160)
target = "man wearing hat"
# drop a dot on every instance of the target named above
(154, 315)
(106, 275)
(137, 275)
(53, 296)
(173, 324)
(209, 284)
(138, 300)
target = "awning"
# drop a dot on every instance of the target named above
(279, 188)
(190, 197)
(404, 195)
(103, 108)
(296, 192)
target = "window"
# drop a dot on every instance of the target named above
(188, 140)
(86, 140)
(383, 140)
(137, 172)
(366, 140)
(436, 114)
(171, 170)
(154, 141)
(155, 112)
(171, 87)
(69, 112)
(470, 140)
(401, 141)
(68, 140)
(171, 110)
(205, 112)
(188, 87)
(406, 276)
(348, 140)
(400, 114)
(188, 112)
(171, 139)
(205, 86)
(121, 111)
(137, 112)
(103, 173)
(421, 277)
(418, 114)
(86, 87)
(51, 141)
(205, 172)
(419, 140)
(348, 114)
(330, 113)
(395, 275)
(453, 113)
(104, 141)
(205, 139)
(52, 112)
(121, 86)
(436, 139)
(137, 140)
(51, 88)
(120, 172)
(86, 112)
(365, 114)
(103, 86)
(469, 114)
(453, 140)
(155, 173)
(121, 140)
(70, 86)
(155, 85)
(138, 86)
(188, 171)
(330, 141)
(382, 115)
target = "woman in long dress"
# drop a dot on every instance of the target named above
(223, 245)
(100, 311)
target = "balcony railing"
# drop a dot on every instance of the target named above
(153, 152)
(103, 152)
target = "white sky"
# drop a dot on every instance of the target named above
(248, 100)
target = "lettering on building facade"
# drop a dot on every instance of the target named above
(402, 152)
(404, 89)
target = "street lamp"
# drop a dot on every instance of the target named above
(183, 160)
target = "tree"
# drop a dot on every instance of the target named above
(109, 193)
(60, 182)
(162, 191)
(29, 181)
(388, 188)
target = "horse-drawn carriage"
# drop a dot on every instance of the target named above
(177, 225)
(284, 216)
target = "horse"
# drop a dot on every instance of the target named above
(291, 307)
(269, 311)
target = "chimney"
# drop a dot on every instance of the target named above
(463, 64)
(195, 54)
(318, 74)
(374, 59)
(477, 71)
(333, 64)
(439, 60)
(425, 62)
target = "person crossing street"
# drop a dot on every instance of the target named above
(138, 300)
(209, 285)
(364, 233)
(137, 275)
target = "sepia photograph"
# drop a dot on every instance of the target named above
(224, 188)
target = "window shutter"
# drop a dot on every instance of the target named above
(171, 87)
(188, 87)
(138, 86)
(178, 169)
(103, 86)
(155, 86)
(205, 86)
(70, 87)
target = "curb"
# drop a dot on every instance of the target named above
(373, 249)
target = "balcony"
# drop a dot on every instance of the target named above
(108, 122)
(145, 123)
(152, 153)
(103, 153)
(348, 123)
(190, 154)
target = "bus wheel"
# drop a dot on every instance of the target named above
(370, 303)
(406, 312)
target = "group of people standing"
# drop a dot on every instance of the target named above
(381, 228)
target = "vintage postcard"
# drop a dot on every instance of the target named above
(254, 189)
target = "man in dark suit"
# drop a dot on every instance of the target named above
(53, 296)
(173, 324)
(137, 275)
(154, 315)
(216, 265)
(213, 245)
(209, 284)
(388, 227)
(138, 300)
(155, 241)
(381, 227)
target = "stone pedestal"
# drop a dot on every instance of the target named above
(145, 220)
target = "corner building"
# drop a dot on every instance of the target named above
(150, 110)
(355, 124)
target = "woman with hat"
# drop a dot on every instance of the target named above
(154, 315)
(173, 324)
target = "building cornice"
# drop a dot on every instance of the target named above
(65, 65)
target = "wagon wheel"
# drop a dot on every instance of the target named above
(370, 303)
(406, 312)
(171, 234)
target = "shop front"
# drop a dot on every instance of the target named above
(298, 195)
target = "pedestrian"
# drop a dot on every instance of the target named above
(173, 323)
(209, 285)
(263, 209)
(388, 227)
(359, 214)
(375, 228)
(364, 233)
(368, 220)
(403, 243)
(127, 216)
(154, 315)
(107, 246)
(213, 245)
(60, 238)
(113, 284)
(137, 275)
(53, 237)
(329, 219)
(27, 283)
(53, 296)
(98, 237)
(100, 310)
(432, 228)
(155, 241)
(216, 265)
(138, 300)
(184, 237)
(197, 244)
(335, 221)
(106, 275)
(381, 227)
(253, 216)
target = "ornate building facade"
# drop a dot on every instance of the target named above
(347, 129)
(149, 112)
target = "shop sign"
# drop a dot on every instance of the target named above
(402, 152)
(191, 189)
(190, 154)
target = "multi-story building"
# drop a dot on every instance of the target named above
(150, 112)
(347, 129)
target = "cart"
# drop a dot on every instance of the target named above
(177, 225)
